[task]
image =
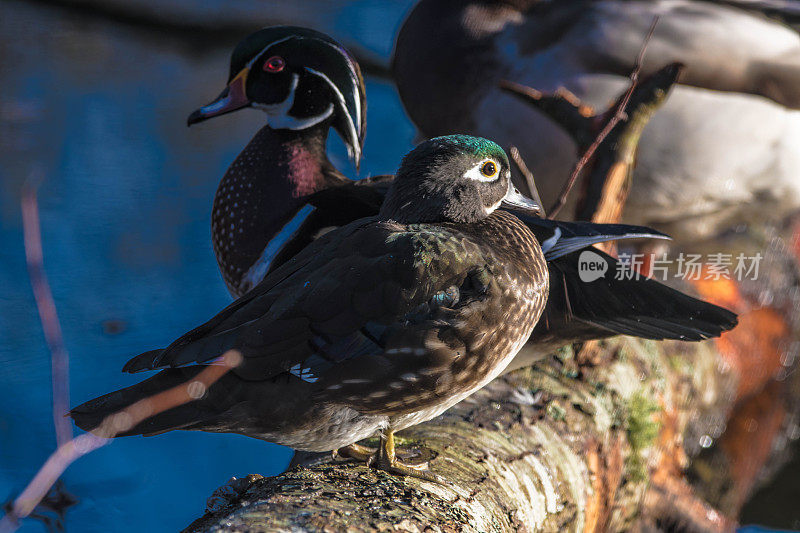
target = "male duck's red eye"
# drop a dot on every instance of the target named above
(274, 64)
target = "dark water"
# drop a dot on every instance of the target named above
(125, 203)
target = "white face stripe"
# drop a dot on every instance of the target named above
(288, 122)
(279, 117)
(340, 97)
(491, 209)
(356, 97)
(475, 172)
(298, 124)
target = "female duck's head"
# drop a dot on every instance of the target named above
(456, 178)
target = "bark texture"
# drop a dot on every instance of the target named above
(554, 447)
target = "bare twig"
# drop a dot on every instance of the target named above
(111, 426)
(562, 106)
(605, 186)
(679, 509)
(618, 115)
(69, 449)
(47, 309)
(527, 174)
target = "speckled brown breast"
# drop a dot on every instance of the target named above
(463, 348)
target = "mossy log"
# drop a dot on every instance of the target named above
(553, 447)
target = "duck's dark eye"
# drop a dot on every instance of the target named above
(274, 64)
(489, 169)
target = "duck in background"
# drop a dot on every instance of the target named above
(267, 184)
(721, 150)
(306, 84)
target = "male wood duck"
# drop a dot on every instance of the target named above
(577, 311)
(306, 83)
(721, 150)
(376, 326)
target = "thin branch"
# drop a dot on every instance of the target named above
(605, 186)
(679, 509)
(69, 449)
(618, 115)
(111, 426)
(527, 174)
(562, 106)
(47, 309)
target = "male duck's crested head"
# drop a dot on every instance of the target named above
(457, 178)
(300, 78)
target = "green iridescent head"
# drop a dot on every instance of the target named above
(456, 178)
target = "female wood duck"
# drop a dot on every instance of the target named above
(306, 83)
(721, 150)
(576, 311)
(376, 326)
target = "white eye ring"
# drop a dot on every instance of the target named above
(479, 171)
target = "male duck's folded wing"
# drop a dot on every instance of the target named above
(561, 238)
(334, 207)
(608, 306)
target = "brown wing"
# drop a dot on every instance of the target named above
(360, 306)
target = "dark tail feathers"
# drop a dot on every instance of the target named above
(91, 414)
